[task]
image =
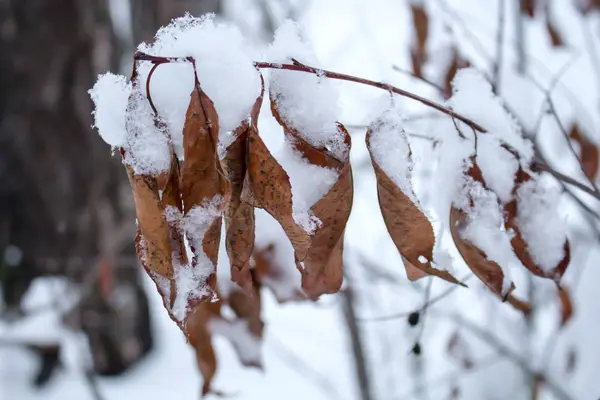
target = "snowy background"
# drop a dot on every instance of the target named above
(306, 347)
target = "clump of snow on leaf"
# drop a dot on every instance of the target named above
(309, 184)
(110, 95)
(539, 222)
(391, 151)
(190, 279)
(307, 103)
(147, 148)
(224, 66)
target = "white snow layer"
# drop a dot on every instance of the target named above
(540, 224)
(110, 94)
(224, 65)
(306, 102)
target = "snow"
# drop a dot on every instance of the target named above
(110, 95)
(309, 184)
(540, 223)
(190, 279)
(225, 69)
(306, 102)
(147, 145)
(391, 151)
(485, 229)
(473, 98)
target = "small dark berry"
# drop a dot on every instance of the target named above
(416, 349)
(413, 318)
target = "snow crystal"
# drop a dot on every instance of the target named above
(225, 69)
(309, 184)
(306, 102)
(474, 99)
(498, 166)
(110, 94)
(190, 279)
(540, 224)
(147, 147)
(391, 150)
(485, 229)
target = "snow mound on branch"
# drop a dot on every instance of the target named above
(308, 103)
(110, 94)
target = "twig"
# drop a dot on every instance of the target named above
(302, 368)
(428, 304)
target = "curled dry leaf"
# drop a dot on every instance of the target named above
(487, 271)
(199, 336)
(528, 7)
(421, 31)
(321, 263)
(202, 179)
(407, 225)
(519, 244)
(153, 227)
(588, 152)
(566, 305)
(239, 215)
(555, 37)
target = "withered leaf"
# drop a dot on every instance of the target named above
(321, 266)
(268, 187)
(520, 245)
(487, 271)
(407, 225)
(566, 305)
(239, 216)
(588, 153)
(421, 31)
(201, 174)
(152, 223)
(459, 349)
(199, 337)
(456, 63)
(528, 7)
(553, 32)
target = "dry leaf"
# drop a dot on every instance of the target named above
(407, 225)
(239, 215)
(553, 32)
(566, 305)
(459, 349)
(202, 179)
(421, 31)
(456, 63)
(321, 265)
(152, 224)
(487, 271)
(588, 152)
(199, 337)
(528, 7)
(269, 273)
(520, 245)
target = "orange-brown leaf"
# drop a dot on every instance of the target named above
(528, 7)
(152, 223)
(199, 338)
(239, 216)
(271, 274)
(487, 271)
(566, 305)
(421, 30)
(408, 227)
(555, 37)
(588, 153)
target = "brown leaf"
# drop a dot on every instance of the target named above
(528, 7)
(487, 271)
(520, 245)
(201, 174)
(459, 349)
(408, 227)
(419, 46)
(152, 223)
(456, 63)
(269, 188)
(588, 153)
(199, 338)
(321, 266)
(566, 305)
(239, 216)
(553, 32)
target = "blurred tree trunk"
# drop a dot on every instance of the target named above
(55, 171)
(149, 15)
